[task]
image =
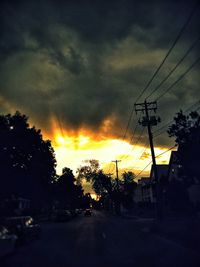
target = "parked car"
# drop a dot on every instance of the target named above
(24, 227)
(88, 212)
(78, 211)
(61, 215)
(73, 213)
(7, 241)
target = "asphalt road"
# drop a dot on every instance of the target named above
(101, 241)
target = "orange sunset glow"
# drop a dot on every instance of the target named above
(71, 149)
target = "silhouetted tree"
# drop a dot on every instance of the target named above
(27, 162)
(89, 170)
(186, 130)
(127, 189)
(128, 186)
(128, 178)
(67, 191)
(87, 201)
(101, 183)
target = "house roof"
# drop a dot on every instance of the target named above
(173, 157)
(162, 170)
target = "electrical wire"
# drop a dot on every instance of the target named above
(168, 123)
(134, 132)
(175, 67)
(170, 49)
(143, 151)
(180, 78)
(128, 124)
(161, 64)
(155, 157)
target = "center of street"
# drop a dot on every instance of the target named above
(101, 240)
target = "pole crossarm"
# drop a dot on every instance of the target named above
(145, 108)
(150, 106)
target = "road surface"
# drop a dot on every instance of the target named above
(101, 241)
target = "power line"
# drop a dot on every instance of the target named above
(145, 146)
(143, 169)
(139, 138)
(125, 157)
(161, 64)
(128, 124)
(143, 151)
(174, 145)
(188, 109)
(180, 78)
(132, 138)
(134, 132)
(133, 147)
(165, 151)
(175, 67)
(156, 157)
(171, 48)
(155, 136)
(171, 121)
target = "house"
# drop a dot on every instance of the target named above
(169, 177)
(143, 192)
(174, 167)
(194, 194)
(162, 171)
(14, 205)
(174, 175)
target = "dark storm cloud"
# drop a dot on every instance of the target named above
(87, 61)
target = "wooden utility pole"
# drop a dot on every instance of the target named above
(150, 121)
(117, 201)
(117, 175)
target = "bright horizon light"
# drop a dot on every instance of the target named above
(72, 151)
(73, 148)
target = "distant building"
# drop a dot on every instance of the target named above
(143, 192)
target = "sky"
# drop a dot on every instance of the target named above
(76, 69)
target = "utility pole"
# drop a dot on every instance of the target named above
(150, 121)
(118, 201)
(117, 176)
